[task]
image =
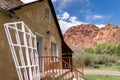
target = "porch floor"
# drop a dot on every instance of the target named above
(55, 73)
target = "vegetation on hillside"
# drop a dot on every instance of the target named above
(106, 53)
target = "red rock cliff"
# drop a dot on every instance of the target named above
(88, 35)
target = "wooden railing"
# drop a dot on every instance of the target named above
(56, 68)
(79, 66)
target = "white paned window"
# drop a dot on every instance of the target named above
(47, 14)
(54, 51)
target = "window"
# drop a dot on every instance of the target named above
(40, 45)
(54, 50)
(47, 14)
(40, 49)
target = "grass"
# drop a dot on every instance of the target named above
(101, 77)
(113, 67)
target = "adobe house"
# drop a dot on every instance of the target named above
(41, 19)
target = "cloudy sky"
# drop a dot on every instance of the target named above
(76, 12)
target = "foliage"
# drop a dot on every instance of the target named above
(91, 59)
(96, 66)
(117, 51)
(89, 50)
(105, 48)
(109, 64)
(118, 63)
(106, 53)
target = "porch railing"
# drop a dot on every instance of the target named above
(56, 68)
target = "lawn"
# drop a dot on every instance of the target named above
(113, 67)
(101, 77)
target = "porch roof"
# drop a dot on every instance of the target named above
(9, 4)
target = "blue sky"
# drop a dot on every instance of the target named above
(76, 12)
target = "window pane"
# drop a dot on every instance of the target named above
(53, 49)
(47, 14)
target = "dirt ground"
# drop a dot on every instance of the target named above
(102, 72)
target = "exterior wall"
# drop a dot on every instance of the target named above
(33, 16)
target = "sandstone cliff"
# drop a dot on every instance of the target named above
(88, 35)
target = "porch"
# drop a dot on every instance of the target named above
(58, 68)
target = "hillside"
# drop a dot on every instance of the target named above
(88, 35)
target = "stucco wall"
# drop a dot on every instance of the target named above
(33, 16)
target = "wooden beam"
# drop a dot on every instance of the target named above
(9, 13)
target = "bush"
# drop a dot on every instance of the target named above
(96, 66)
(118, 63)
(117, 51)
(91, 59)
(89, 50)
(85, 59)
(109, 64)
(88, 60)
(105, 48)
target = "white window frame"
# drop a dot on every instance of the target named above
(40, 35)
(56, 52)
(47, 13)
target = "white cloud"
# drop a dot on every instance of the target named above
(97, 17)
(91, 18)
(100, 25)
(64, 25)
(67, 22)
(54, 0)
(73, 19)
(65, 15)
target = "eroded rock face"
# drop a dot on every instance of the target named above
(88, 35)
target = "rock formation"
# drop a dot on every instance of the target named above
(88, 35)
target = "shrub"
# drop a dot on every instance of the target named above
(88, 60)
(117, 51)
(118, 63)
(109, 64)
(85, 59)
(96, 66)
(105, 48)
(89, 50)
(91, 59)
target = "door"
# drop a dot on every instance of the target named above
(40, 48)
(22, 43)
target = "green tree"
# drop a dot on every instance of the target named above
(117, 51)
(89, 50)
(105, 48)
